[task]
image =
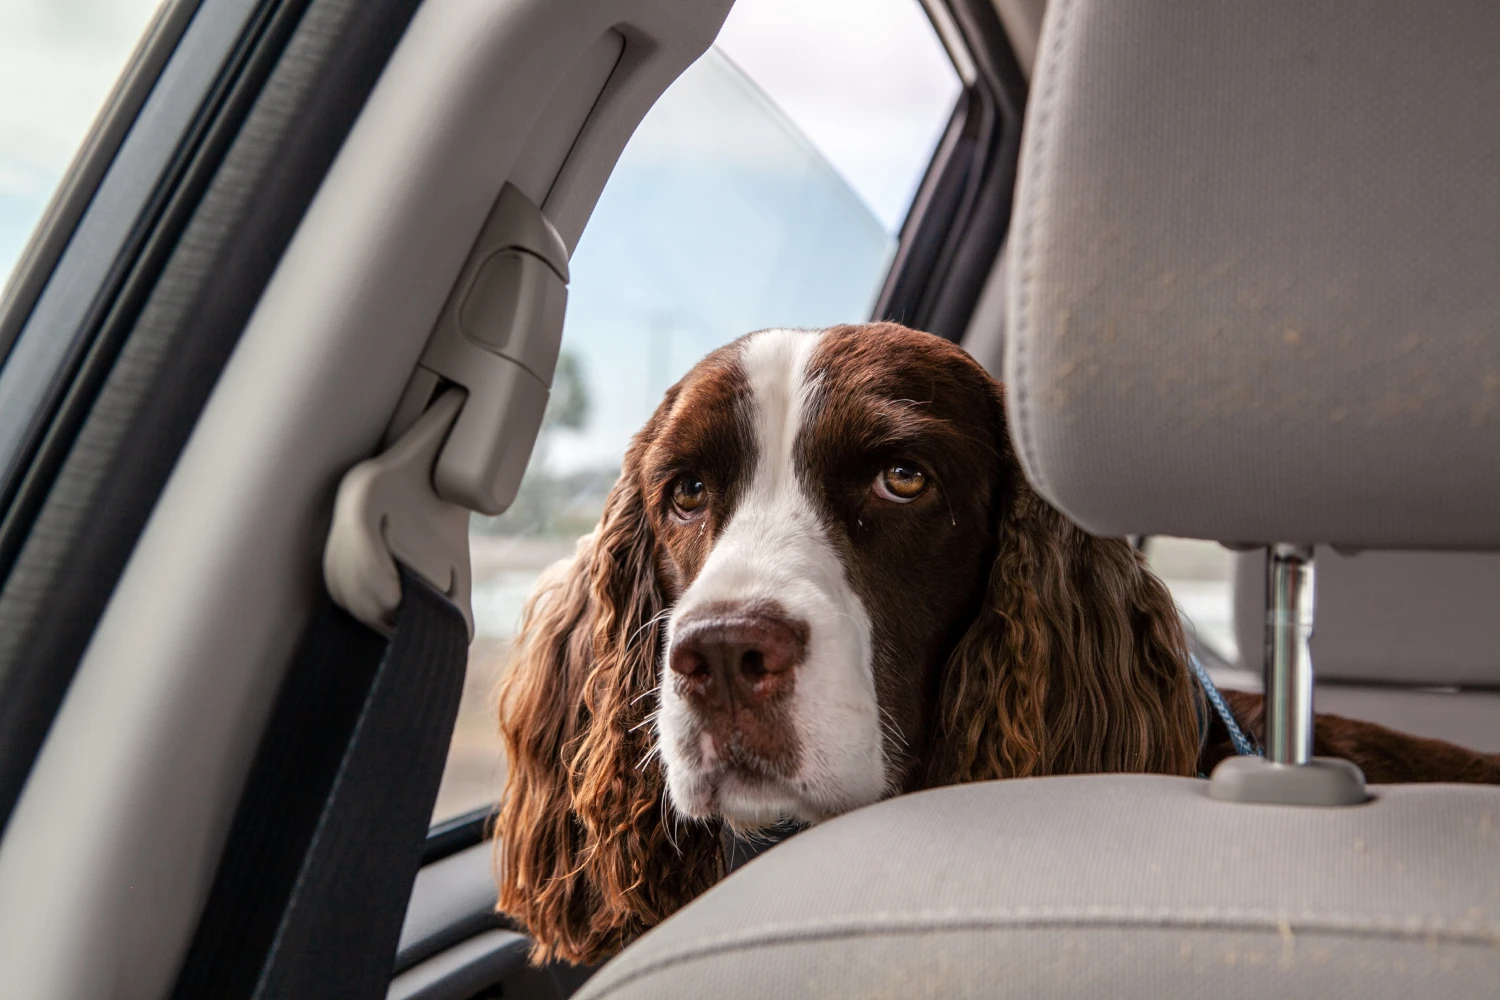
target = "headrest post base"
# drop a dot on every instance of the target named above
(1289, 774)
(1322, 781)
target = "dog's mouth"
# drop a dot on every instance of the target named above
(748, 792)
(745, 799)
(722, 776)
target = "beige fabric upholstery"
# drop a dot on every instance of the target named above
(1255, 271)
(1099, 886)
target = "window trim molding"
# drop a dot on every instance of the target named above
(959, 217)
(75, 190)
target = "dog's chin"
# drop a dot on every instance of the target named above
(747, 802)
(743, 801)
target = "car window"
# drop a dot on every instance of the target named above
(766, 188)
(1200, 576)
(58, 61)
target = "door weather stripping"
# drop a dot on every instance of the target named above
(465, 426)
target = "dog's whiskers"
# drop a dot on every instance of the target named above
(655, 620)
(652, 753)
(894, 730)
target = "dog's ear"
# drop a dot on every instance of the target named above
(586, 862)
(1075, 662)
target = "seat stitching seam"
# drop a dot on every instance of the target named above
(1459, 931)
(1035, 155)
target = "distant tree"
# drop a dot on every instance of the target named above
(549, 504)
(571, 403)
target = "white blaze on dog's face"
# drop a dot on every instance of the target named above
(823, 515)
(773, 566)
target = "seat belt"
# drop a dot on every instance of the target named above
(338, 934)
(330, 831)
(312, 890)
(328, 838)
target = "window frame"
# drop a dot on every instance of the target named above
(946, 249)
(950, 185)
(961, 213)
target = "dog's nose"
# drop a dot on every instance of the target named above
(736, 658)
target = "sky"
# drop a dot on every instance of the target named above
(766, 188)
(58, 61)
(865, 80)
(720, 218)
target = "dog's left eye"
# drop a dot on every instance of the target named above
(688, 494)
(902, 482)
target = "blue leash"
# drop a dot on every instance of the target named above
(1242, 744)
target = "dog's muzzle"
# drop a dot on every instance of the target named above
(735, 668)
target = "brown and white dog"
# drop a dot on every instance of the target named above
(822, 580)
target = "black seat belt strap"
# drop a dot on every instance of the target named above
(338, 933)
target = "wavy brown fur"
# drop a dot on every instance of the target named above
(1073, 665)
(586, 859)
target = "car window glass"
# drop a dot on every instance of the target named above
(58, 61)
(867, 83)
(1200, 576)
(766, 188)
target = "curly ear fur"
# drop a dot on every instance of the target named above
(586, 859)
(1074, 663)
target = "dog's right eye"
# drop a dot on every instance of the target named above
(688, 494)
(902, 482)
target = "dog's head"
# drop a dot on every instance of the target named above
(824, 509)
(820, 580)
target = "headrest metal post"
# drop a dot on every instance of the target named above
(1289, 774)
(1288, 660)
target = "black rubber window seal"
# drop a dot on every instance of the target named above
(136, 271)
(95, 156)
(961, 211)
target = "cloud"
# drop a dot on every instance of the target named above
(867, 81)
